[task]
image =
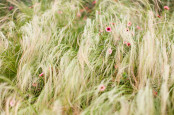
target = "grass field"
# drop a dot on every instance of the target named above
(86, 57)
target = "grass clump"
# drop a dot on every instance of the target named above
(86, 57)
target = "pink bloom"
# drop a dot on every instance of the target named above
(155, 93)
(133, 33)
(115, 66)
(166, 8)
(85, 17)
(124, 42)
(158, 16)
(11, 8)
(127, 29)
(34, 84)
(86, 8)
(129, 24)
(31, 7)
(113, 23)
(12, 103)
(128, 44)
(102, 88)
(78, 14)
(110, 51)
(59, 12)
(138, 27)
(108, 29)
(40, 75)
(94, 2)
(82, 10)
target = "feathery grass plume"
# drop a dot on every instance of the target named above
(53, 61)
(144, 101)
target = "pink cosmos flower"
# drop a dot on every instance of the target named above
(115, 66)
(82, 10)
(138, 27)
(133, 33)
(12, 102)
(94, 2)
(127, 29)
(34, 84)
(155, 93)
(31, 6)
(59, 12)
(158, 16)
(124, 42)
(129, 24)
(40, 75)
(166, 8)
(113, 23)
(108, 29)
(78, 14)
(11, 8)
(85, 17)
(110, 51)
(86, 8)
(102, 87)
(128, 44)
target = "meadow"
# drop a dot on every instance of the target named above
(86, 57)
